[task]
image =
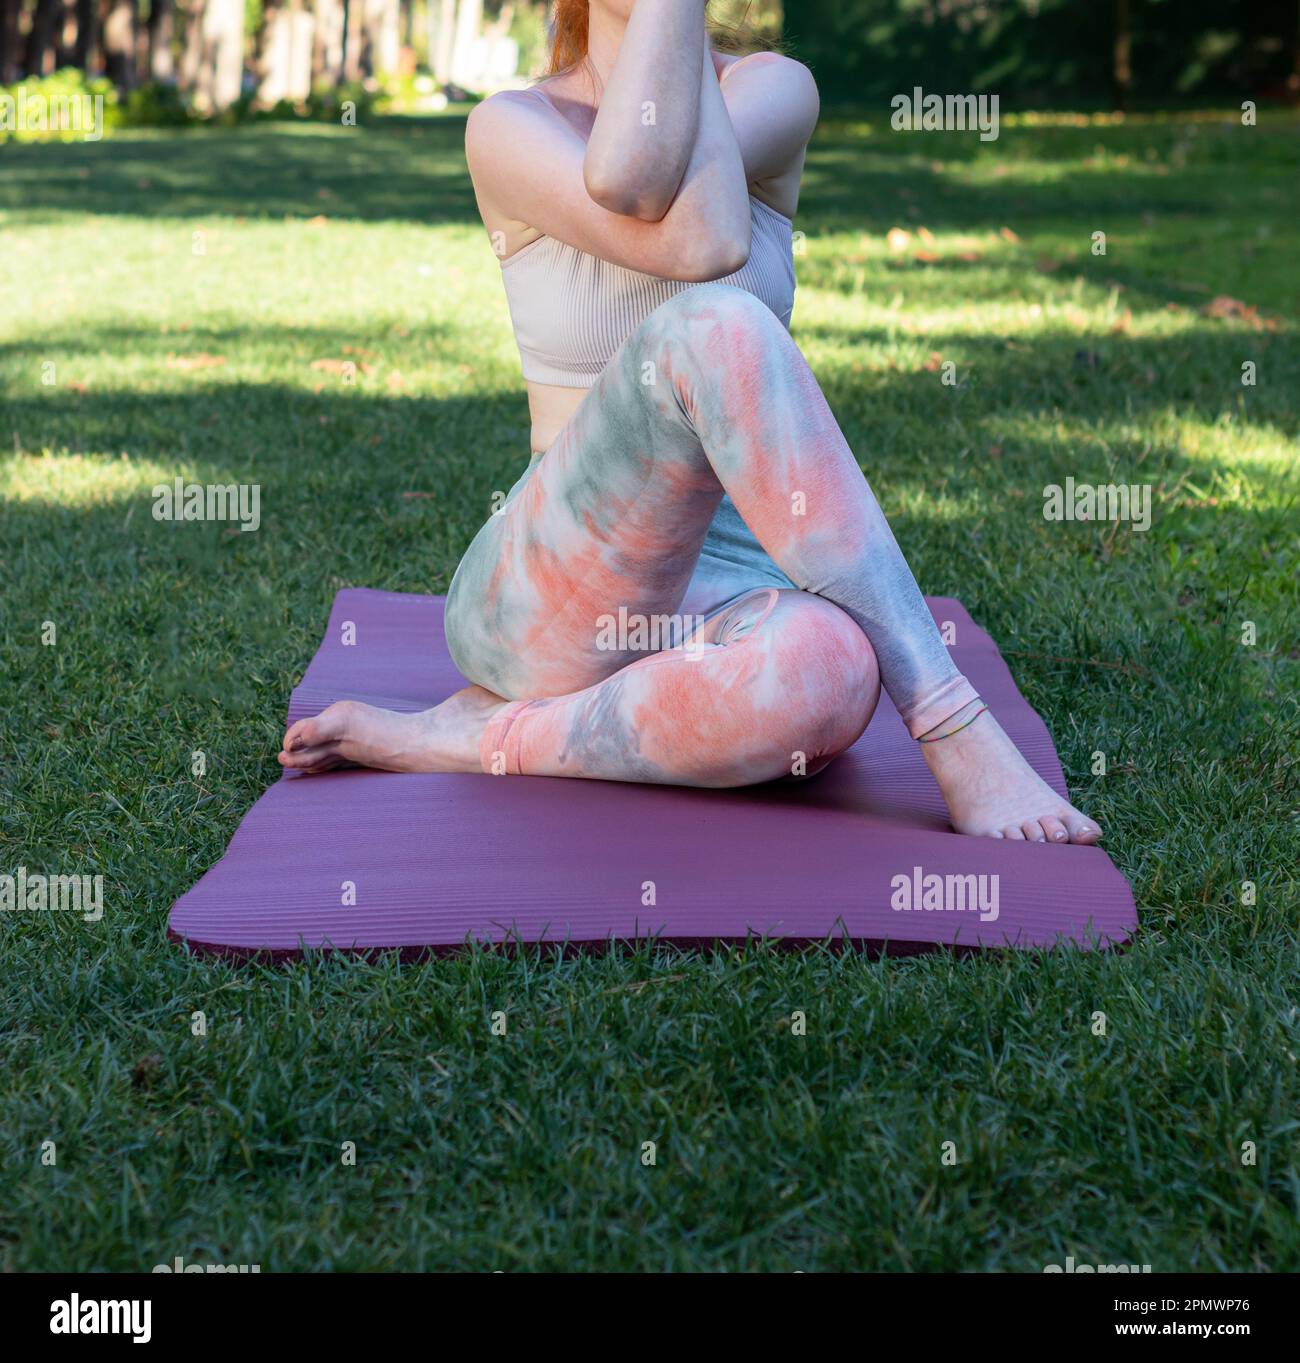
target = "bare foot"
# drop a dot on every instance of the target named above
(992, 792)
(352, 734)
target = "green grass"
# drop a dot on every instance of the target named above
(774, 1150)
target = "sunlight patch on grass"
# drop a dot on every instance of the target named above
(1106, 451)
(81, 480)
(1095, 311)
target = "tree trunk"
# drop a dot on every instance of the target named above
(1123, 73)
(441, 36)
(327, 55)
(9, 43)
(354, 25)
(192, 56)
(67, 41)
(469, 20)
(161, 27)
(41, 41)
(221, 72)
(382, 36)
(287, 53)
(270, 51)
(119, 43)
(1293, 80)
(86, 53)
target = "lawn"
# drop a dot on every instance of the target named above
(317, 310)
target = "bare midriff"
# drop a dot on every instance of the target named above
(550, 407)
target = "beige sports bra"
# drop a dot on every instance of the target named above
(571, 311)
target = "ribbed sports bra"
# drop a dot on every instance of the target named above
(571, 310)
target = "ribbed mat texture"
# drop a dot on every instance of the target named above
(361, 860)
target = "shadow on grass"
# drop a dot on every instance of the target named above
(413, 169)
(1090, 378)
(407, 170)
(334, 342)
(1090, 381)
(1034, 178)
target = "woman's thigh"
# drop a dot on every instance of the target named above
(607, 524)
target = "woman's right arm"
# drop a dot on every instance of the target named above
(646, 124)
(529, 170)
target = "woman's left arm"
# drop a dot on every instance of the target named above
(773, 105)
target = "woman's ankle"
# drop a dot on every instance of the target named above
(955, 722)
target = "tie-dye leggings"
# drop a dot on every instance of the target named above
(584, 602)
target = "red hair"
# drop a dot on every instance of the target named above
(568, 35)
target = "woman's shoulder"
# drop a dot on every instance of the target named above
(774, 89)
(507, 111)
(506, 106)
(764, 67)
(505, 118)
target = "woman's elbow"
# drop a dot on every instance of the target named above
(715, 259)
(616, 192)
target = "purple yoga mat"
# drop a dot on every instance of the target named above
(439, 860)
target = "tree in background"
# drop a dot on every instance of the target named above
(161, 37)
(86, 53)
(1045, 52)
(221, 66)
(441, 31)
(41, 42)
(120, 22)
(1123, 69)
(212, 65)
(1033, 53)
(327, 41)
(286, 46)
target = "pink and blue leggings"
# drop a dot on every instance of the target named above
(627, 653)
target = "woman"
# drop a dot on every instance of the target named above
(689, 490)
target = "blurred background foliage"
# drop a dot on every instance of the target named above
(169, 62)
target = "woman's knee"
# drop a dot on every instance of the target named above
(825, 665)
(798, 684)
(705, 314)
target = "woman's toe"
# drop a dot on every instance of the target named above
(1033, 831)
(316, 758)
(296, 735)
(1054, 829)
(1082, 830)
(333, 724)
(1013, 834)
